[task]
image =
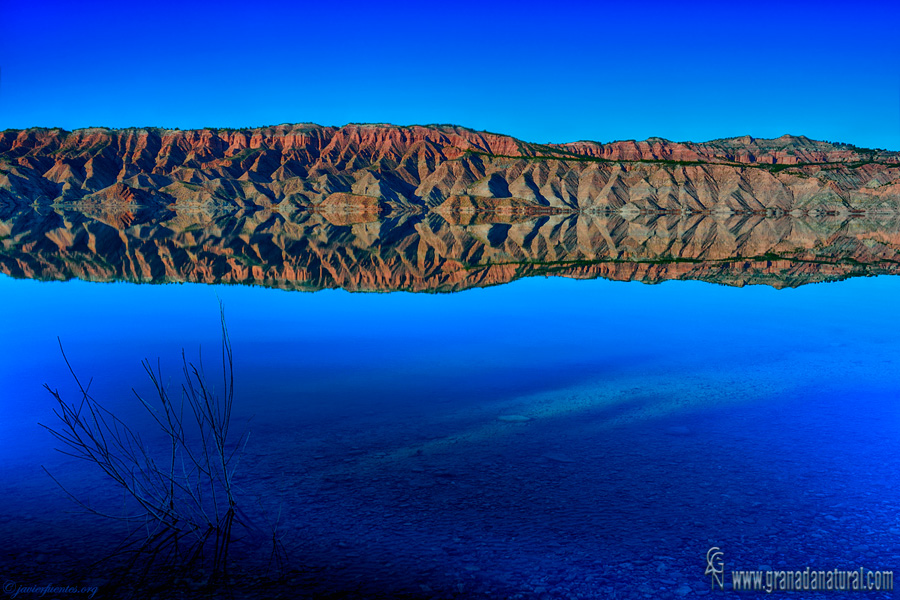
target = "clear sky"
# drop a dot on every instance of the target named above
(549, 71)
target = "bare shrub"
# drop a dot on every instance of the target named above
(182, 500)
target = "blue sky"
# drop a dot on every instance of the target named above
(541, 71)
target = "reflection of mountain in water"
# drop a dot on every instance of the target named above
(429, 252)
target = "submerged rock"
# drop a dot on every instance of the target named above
(558, 457)
(513, 418)
(679, 431)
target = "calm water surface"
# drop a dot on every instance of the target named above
(662, 420)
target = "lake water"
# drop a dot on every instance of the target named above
(545, 438)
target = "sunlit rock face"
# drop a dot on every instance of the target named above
(437, 252)
(383, 168)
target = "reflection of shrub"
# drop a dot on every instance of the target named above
(183, 501)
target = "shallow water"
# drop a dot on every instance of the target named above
(661, 420)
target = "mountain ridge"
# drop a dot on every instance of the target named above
(383, 168)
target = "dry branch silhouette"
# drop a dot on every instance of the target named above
(183, 501)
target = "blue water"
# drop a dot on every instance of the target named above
(663, 420)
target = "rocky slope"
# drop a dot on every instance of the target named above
(427, 252)
(384, 169)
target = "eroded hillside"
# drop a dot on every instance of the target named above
(380, 169)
